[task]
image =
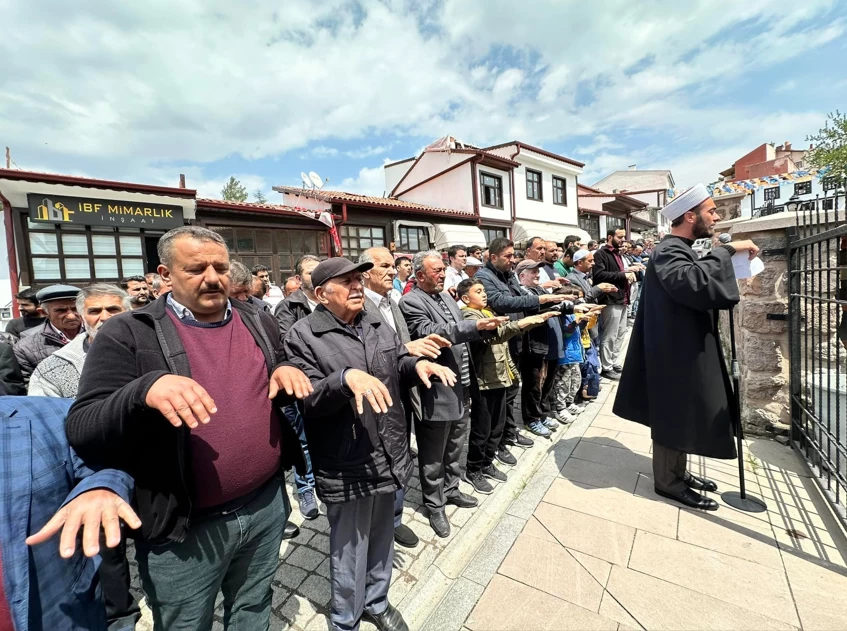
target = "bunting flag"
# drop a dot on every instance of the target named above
(325, 217)
(716, 189)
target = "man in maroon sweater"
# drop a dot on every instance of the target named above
(181, 395)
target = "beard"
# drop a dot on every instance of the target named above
(92, 331)
(701, 230)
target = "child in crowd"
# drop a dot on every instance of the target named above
(495, 372)
(590, 367)
(569, 373)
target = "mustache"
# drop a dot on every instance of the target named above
(354, 295)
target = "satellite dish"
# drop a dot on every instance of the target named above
(306, 181)
(316, 179)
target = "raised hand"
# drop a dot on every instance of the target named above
(426, 370)
(491, 324)
(181, 400)
(293, 380)
(365, 386)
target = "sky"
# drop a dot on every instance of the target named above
(263, 90)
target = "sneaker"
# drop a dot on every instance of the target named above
(550, 423)
(479, 483)
(564, 417)
(573, 408)
(538, 428)
(308, 504)
(519, 440)
(494, 473)
(505, 456)
(611, 375)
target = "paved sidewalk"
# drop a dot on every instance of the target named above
(589, 545)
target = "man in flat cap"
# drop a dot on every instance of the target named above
(356, 428)
(675, 379)
(58, 303)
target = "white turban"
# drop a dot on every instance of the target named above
(682, 203)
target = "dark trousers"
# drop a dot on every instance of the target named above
(122, 611)
(440, 446)
(361, 553)
(488, 418)
(669, 468)
(510, 430)
(538, 375)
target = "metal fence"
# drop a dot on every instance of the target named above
(817, 285)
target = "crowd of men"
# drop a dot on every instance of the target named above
(196, 388)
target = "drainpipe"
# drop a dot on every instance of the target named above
(11, 252)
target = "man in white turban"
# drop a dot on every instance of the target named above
(675, 379)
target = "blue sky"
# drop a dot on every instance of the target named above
(145, 91)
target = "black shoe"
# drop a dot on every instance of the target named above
(519, 440)
(699, 484)
(413, 453)
(506, 457)
(494, 473)
(463, 500)
(290, 531)
(388, 620)
(477, 480)
(691, 499)
(611, 375)
(439, 524)
(405, 536)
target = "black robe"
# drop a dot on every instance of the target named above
(675, 379)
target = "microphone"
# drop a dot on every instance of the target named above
(725, 238)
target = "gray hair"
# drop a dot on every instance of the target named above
(367, 255)
(298, 266)
(240, 275)
(166, 243)
(420, 257)
(156, 283)
(101, 289)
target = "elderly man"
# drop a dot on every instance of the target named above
(379, 282)
(583, 261)
(157, 287)
(472, 266)
(138, 290)
(536, 250)
(455, 272)
(357, 436)
(58, 302)
(203, 438)
(302, 302)
(30, 318)
(675, 379)
(241, 286)
(292, 284)
(442, 429)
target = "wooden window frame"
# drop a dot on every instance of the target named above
(499, 189)
(406, 248)
(564, 187)
(540, 197)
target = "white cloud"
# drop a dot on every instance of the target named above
(370, 181)
(368, 152)
(324, 152)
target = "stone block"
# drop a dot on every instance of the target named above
(771, 281)
(763, 354)
(289, 576)
(316, 589)
(754, 317)
(759, 386)
(305, 558)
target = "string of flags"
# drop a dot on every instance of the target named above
(716, 189)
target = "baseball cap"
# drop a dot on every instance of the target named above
(335, 267)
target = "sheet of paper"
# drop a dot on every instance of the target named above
(744, 267)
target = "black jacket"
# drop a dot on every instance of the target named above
(11, 379)
(110, 425)
(607, 270)
(36, 345)
(18, 325)
(291, 310)
(353, 455)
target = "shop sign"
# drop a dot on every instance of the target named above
(88, 211)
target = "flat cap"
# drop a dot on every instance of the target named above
(527, 264)
(57, 292)
(335, 267)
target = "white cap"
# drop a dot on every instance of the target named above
(682, 203)
(579, 255)
(472, 262)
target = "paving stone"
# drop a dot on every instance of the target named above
(298, 610)
(534, 528)
(600, 475)
(654, 604)
(495, 548)
(461, 517)
(280, 595)
(323, 568)
(306, 558)
(455, 608)
(612, 609)
(755, 587)
(820, 591)
(599, 435)
(319, 623)
(316, 589)
(320, 542)
(614, 457)
(528, 498)
(401, 584)
(609, 421)
(289, 575)
(511, 606)
(427, 555)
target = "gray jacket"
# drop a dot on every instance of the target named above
(424, 317)
(591, 292)
(58, 375)
(403, 334)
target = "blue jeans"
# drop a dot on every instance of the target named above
(307, 482)
(236, 553)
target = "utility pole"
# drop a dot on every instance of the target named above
(8, 158)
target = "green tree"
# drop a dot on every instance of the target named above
(259, 197)
(234, 191)
(830, 146)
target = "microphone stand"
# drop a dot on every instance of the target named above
(739, 499)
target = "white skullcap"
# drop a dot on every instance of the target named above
(686, 201)
(579, 255)
(472, 262)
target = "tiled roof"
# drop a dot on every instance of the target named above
(367, 200)
(76, 180)
(278, 209)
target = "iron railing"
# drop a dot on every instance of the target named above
(817, 311)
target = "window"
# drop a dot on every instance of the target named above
(492, 190)
(493, 233)
(803, 188)
(413, 239)
(533, 185)
(357, 239)
(591, 224)
(560, 191)
(614, 223)
(771, 193)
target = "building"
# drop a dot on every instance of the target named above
(766, 160)
(600, 212)
(68, 229)
(654, 187)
